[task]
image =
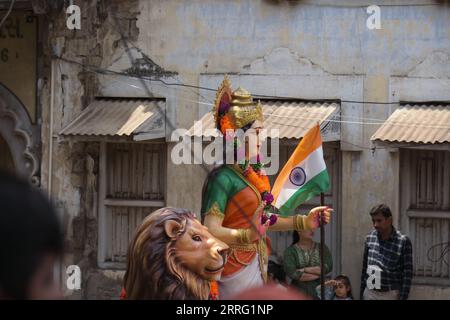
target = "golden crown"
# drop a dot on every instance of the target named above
(237, 106)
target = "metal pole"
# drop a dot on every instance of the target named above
(322, 244)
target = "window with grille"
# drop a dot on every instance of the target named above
(425, 188)
(134, 185)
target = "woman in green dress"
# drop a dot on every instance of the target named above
(302, 262)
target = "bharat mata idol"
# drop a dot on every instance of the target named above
(236, 200)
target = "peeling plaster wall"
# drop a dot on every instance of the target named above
(75, 164)
(270, 47)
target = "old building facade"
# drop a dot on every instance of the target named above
(88, 114)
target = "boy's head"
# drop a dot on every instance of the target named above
(30, 242)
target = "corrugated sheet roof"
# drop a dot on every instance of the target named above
(416, 123)
(111, 117)
(292, 118)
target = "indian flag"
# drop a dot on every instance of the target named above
(304, 175)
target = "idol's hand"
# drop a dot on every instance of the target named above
(258, 230)
(313, 218)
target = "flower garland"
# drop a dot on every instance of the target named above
(214, 291)
(255, 175)
(123, 294)
(226, 124)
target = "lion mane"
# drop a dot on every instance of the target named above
(153, 271)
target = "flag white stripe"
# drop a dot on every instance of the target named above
(313, 164)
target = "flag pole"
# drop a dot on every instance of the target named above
(322, 244)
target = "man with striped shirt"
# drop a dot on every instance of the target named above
(387, 266)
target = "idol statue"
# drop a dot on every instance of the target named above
(236, 203)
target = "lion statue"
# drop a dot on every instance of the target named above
(173, 256)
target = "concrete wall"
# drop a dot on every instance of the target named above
(73, 165)
(279, 48)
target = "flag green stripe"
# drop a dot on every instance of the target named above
(320, 183)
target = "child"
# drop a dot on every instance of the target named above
(337, 289)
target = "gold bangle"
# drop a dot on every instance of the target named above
(295, 222)
(243, 236)
(299, 222)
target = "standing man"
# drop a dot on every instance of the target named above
(387, 266)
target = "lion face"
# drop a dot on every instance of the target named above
(197, 250)
(172, 256)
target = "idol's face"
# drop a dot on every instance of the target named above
(253, 139)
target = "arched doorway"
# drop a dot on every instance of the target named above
(6, 160)
(19, 138)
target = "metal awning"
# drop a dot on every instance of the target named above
(120, 117)
(292, 118)
(425, 124)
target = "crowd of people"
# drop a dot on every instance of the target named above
(387, 257)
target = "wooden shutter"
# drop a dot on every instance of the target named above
(425, 188)
(135, 185)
